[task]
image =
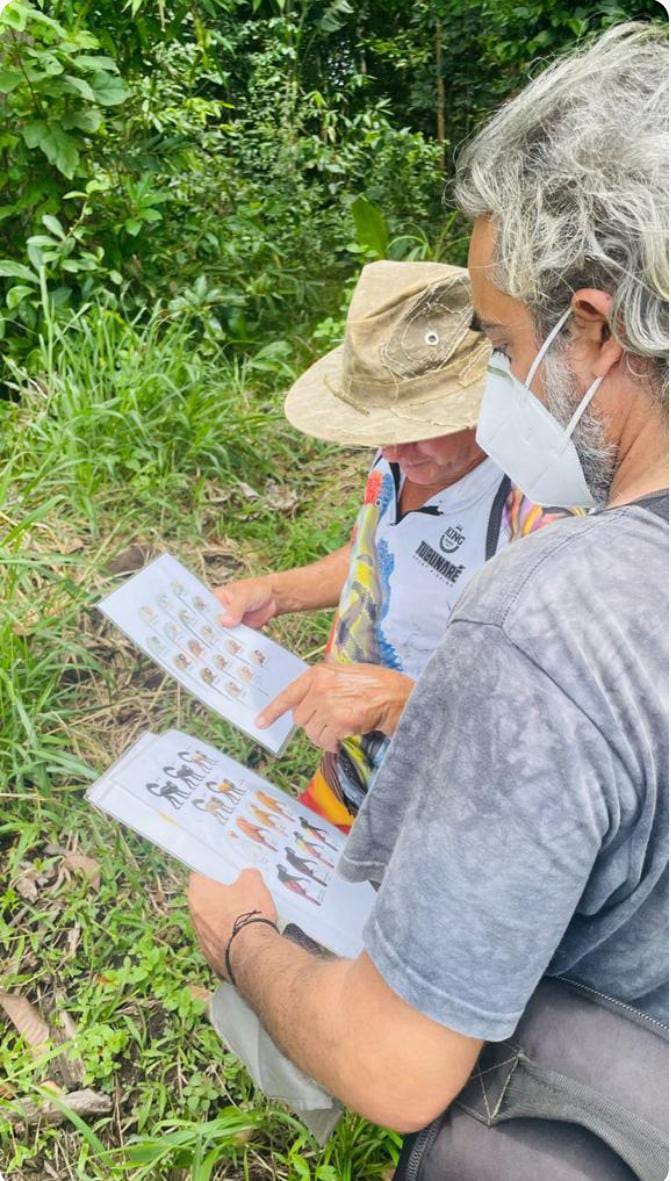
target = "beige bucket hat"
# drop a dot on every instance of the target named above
(410, 366)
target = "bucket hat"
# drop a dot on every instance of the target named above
(410, 366)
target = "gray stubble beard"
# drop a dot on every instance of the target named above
(598, 457)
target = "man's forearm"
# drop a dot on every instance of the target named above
(344, 1027)
(299, 999)
(308, 588)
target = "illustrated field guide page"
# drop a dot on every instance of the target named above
(174, 619)
(218, 817)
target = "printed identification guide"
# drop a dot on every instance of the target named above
(218, 817)
(236, 671)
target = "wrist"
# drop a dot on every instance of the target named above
(290, 590)
(244, 944)
(400, 687)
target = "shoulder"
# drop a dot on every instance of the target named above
(564, 568)
(523, 517)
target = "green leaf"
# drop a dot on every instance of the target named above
(53, 225)
(59, 148)
(14, 16)
(79, 86)
(9, 80)
(16, 270)
(371, 227)
(132, 226)
(17, 294)
(33, 133)
(94, 63)
(35, 254)
(109, 91)
(83, 120)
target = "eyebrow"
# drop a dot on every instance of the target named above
(478, 325)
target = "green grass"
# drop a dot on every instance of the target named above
(124, 435)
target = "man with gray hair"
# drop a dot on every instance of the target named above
(517, 828)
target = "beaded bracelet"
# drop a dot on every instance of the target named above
(244, 920)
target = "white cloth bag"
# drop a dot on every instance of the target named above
(278, 1078)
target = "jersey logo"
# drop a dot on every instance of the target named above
(441, 565)
(452, 539)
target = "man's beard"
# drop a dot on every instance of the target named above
(597, 456)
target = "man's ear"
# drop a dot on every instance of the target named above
(591, 308)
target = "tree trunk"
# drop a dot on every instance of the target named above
(440, 90)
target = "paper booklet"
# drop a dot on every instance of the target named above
(218, 817)
(174, 618)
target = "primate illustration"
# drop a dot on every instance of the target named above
(303, 865)
(170, 792)
(267, 819)
(224, 787)
(185, 773)
(294, 884)
(255, 833)
(216, 807)
(197, 757)
(272, 804)
(312, 850)
(320, 833)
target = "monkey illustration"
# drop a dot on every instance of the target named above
(170, 792)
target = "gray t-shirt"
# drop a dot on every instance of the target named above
(518, 825)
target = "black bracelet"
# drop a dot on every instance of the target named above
(244, 920)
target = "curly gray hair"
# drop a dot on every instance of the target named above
(574, 173)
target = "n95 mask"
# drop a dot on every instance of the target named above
(526, 441)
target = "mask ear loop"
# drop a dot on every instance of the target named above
(587, 397)
(582, 406)
(545, 346)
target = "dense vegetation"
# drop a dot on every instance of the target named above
(187, 192)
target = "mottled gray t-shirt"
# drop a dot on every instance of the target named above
(518, 825)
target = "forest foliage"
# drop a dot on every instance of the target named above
(232, 162)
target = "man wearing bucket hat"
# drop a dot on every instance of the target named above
(409, 375)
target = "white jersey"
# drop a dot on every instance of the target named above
(416, 564)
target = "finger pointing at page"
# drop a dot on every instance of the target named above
(288, 699)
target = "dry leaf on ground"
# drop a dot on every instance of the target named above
(83, 1103)
(129, 560)
(88, 866)
(199, 993)
(27, 1020)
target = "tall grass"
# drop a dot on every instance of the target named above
(122, 432)
(112, 411)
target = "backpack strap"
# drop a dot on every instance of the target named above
(656, 503)
(495, 517)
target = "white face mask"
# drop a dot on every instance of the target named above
(526, 441)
